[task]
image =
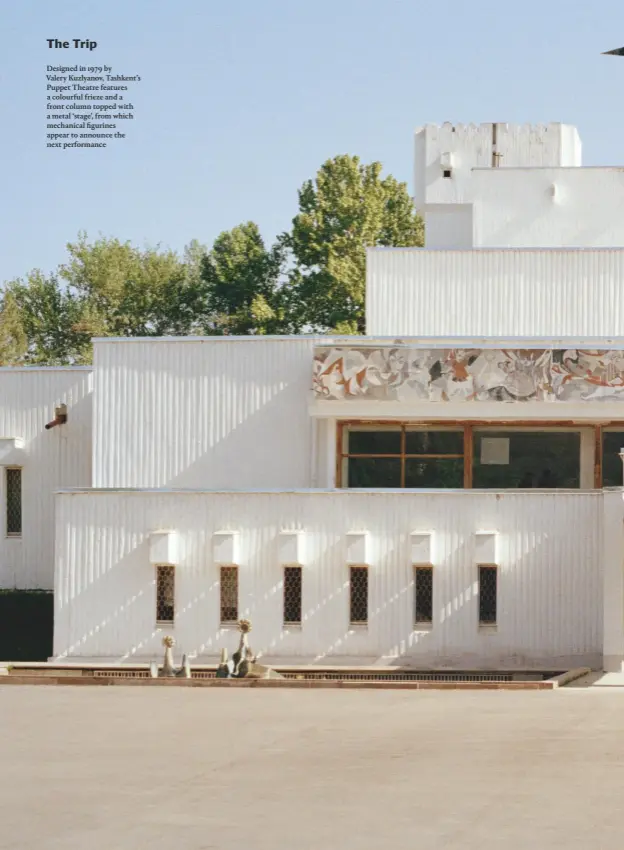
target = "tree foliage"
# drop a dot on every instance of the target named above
(348, 208)
(241, 284)
(13, 339)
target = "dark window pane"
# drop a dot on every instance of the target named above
(612, 442)
(434, 472)
(374, 472)
(374, 442)
(292, 595)
(423, 601)
(358, 600)
(487, 595)
(229, 594)
(14, 501)
(434, 442)
(165, 594)
(543, 459)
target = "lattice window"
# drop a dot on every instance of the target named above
(292, 596)
(229, 594)
(488, 586)
(165, 594)
(13, 481)
(358, 595)
(423, 595)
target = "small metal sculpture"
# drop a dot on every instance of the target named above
(243, 664)
(168, 671)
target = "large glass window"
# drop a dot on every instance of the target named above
(432, 456)
(612, 473)
(509, 459)
(396, 456)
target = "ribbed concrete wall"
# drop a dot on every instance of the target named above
(203, 413)
(497, 293)
(60, 457)
(550, 585)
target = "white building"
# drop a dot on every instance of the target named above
(431, 494)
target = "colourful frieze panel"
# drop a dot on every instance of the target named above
(416, 374)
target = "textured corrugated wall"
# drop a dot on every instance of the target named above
(498, 293)
(550, 584)
(203, 413)
(60, 457)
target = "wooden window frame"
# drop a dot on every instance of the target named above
(343, 425)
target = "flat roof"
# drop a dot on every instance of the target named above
(339, 491)
(526, 342)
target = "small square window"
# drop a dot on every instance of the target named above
(447, 173)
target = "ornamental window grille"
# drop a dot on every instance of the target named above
(292, 596)
(165, 594)
(229, 594)
(423, 595)
(358, 596)
(488, 591)
(13, 487)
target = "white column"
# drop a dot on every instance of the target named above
(613, 577)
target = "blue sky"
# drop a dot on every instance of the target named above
(242, 101)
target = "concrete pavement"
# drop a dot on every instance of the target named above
(268, 770)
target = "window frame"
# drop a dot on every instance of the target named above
(170, 571)
(223, 621)
(403, 428)
(469, 426)
(289, 624)
(13, 535)
(422, 625)
(493, 569)
(359, 624)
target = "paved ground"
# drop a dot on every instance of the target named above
(94, 768)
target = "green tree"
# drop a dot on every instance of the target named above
(13, 339)
(346, 209)
(241, 284)
(107, 288)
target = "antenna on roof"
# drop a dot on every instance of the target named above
(619, 51)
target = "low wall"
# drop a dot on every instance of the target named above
(550, 588)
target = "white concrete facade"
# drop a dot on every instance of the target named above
(547, 551)
(48, 460)
(505, 186)
(209, 454)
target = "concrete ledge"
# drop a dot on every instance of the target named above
(17, 679)
(571, 676)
